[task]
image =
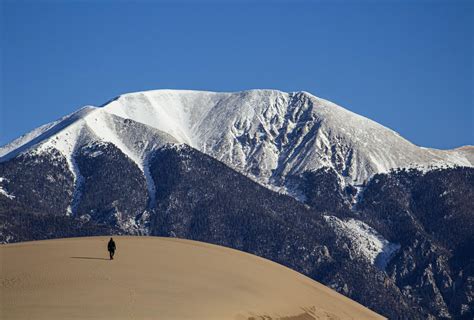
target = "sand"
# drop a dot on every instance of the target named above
(157, 278)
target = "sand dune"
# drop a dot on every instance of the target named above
(158, 278)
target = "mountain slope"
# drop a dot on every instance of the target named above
(91, 127)
(198, 198)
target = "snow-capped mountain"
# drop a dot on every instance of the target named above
(177, 164)
(265, 134)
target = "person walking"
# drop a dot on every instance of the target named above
(111, 247)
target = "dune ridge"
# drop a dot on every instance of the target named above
(158, 278)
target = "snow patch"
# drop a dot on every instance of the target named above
(366, 241)
(93, 154)
(4, 192)
(78, 183)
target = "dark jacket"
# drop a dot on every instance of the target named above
(111, 245)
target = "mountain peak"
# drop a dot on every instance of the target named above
(267, 134)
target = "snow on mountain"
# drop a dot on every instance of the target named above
(86, 127)
(365, 241)
(4, 192)
(468, 152)
(270, 134)
(266, 134)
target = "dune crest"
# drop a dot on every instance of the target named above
(158, 278)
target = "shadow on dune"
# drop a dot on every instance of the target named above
(89, 258)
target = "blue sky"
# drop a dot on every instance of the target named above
(405, 64)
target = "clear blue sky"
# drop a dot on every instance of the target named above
(405, 64)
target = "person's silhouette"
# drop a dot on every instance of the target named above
(111, 247)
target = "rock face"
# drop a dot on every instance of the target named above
(287, 176)
(431, 216)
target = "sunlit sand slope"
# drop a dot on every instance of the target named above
(158, 278)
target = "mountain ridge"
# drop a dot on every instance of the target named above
(265, 134)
